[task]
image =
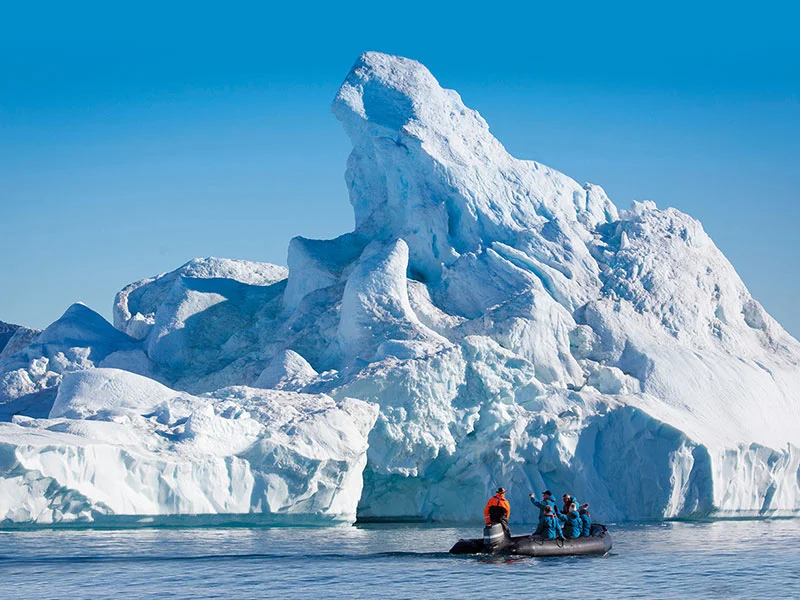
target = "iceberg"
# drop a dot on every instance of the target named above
(31, 373)
(119, 445)
(14, 338)
(490, 321)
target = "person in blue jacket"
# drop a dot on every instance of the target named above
(551, 526)
(573, 524)
(547, 500)
(586, 520)
(567, 499)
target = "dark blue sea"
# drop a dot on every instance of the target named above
(726, 559)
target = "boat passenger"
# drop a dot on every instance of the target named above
(551, 526)
(586, 520)
(547, 500)
(497, 510)
(572, 522)
(567, 499)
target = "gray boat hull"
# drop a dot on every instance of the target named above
(528, 545)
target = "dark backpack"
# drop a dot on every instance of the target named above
(497, 514)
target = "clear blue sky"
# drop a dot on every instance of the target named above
(135, 137)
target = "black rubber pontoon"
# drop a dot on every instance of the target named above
(599, 542)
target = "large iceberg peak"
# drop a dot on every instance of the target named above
(426, 169)
(391, 95)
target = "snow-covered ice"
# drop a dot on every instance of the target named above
(490, 321)
(119, 444)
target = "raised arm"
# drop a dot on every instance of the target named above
(536, 503)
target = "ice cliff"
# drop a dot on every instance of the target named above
(488, 322)
(118, 444)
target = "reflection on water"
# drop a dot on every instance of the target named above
(669, 560)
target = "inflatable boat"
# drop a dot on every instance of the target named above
(495, 542)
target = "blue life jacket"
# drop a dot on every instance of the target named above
(586, 521)
(551, 527)
(573, 524)
(542, 505)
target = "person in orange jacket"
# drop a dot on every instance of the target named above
(497, 510)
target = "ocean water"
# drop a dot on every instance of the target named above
(726, 559)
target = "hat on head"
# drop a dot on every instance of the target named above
(547, 493)
(501, 490)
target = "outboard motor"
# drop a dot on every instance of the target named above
(493, 537)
